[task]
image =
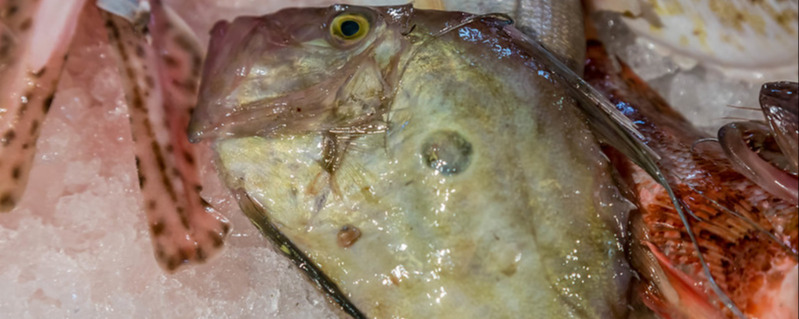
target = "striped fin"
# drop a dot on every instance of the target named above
(160, 78)
(28, 80)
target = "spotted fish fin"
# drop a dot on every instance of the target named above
(28, 80)
(160, 66)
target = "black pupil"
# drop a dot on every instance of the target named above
(350, 28)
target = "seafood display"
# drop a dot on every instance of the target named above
(411, 163)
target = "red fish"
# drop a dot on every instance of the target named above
(747, 237)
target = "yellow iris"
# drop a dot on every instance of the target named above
(349, 26)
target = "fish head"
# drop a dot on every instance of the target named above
(303, 68)
(428, 169)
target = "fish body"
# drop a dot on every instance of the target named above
(748, 237)
(428, 168)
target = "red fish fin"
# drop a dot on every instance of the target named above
(160, 90)
(692, 302)
(28, 80)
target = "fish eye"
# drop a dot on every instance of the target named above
(348, 26)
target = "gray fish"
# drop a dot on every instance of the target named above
(416, 164)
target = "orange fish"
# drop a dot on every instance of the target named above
(747, 237)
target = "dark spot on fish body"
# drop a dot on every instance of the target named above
(5, 45)
(34, 127)
(172, 263)
(142, 178)
(48, 101)
(7, 201)
(216, 238)
(140, 51)
(152, 204)
(200, 253)
(170, 61)
(184, 43)
(16, 172)
(10, 11)
(131, 76)
(157, 228)
(184, 219)
(447, 152)
(159, 252)
(149, 81)
(347, 236)
(189, 158)
(25, 25)
(225, 228)
(8, 137)
(159, 157)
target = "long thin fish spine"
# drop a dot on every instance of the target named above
(27, 86)
(183, 226)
